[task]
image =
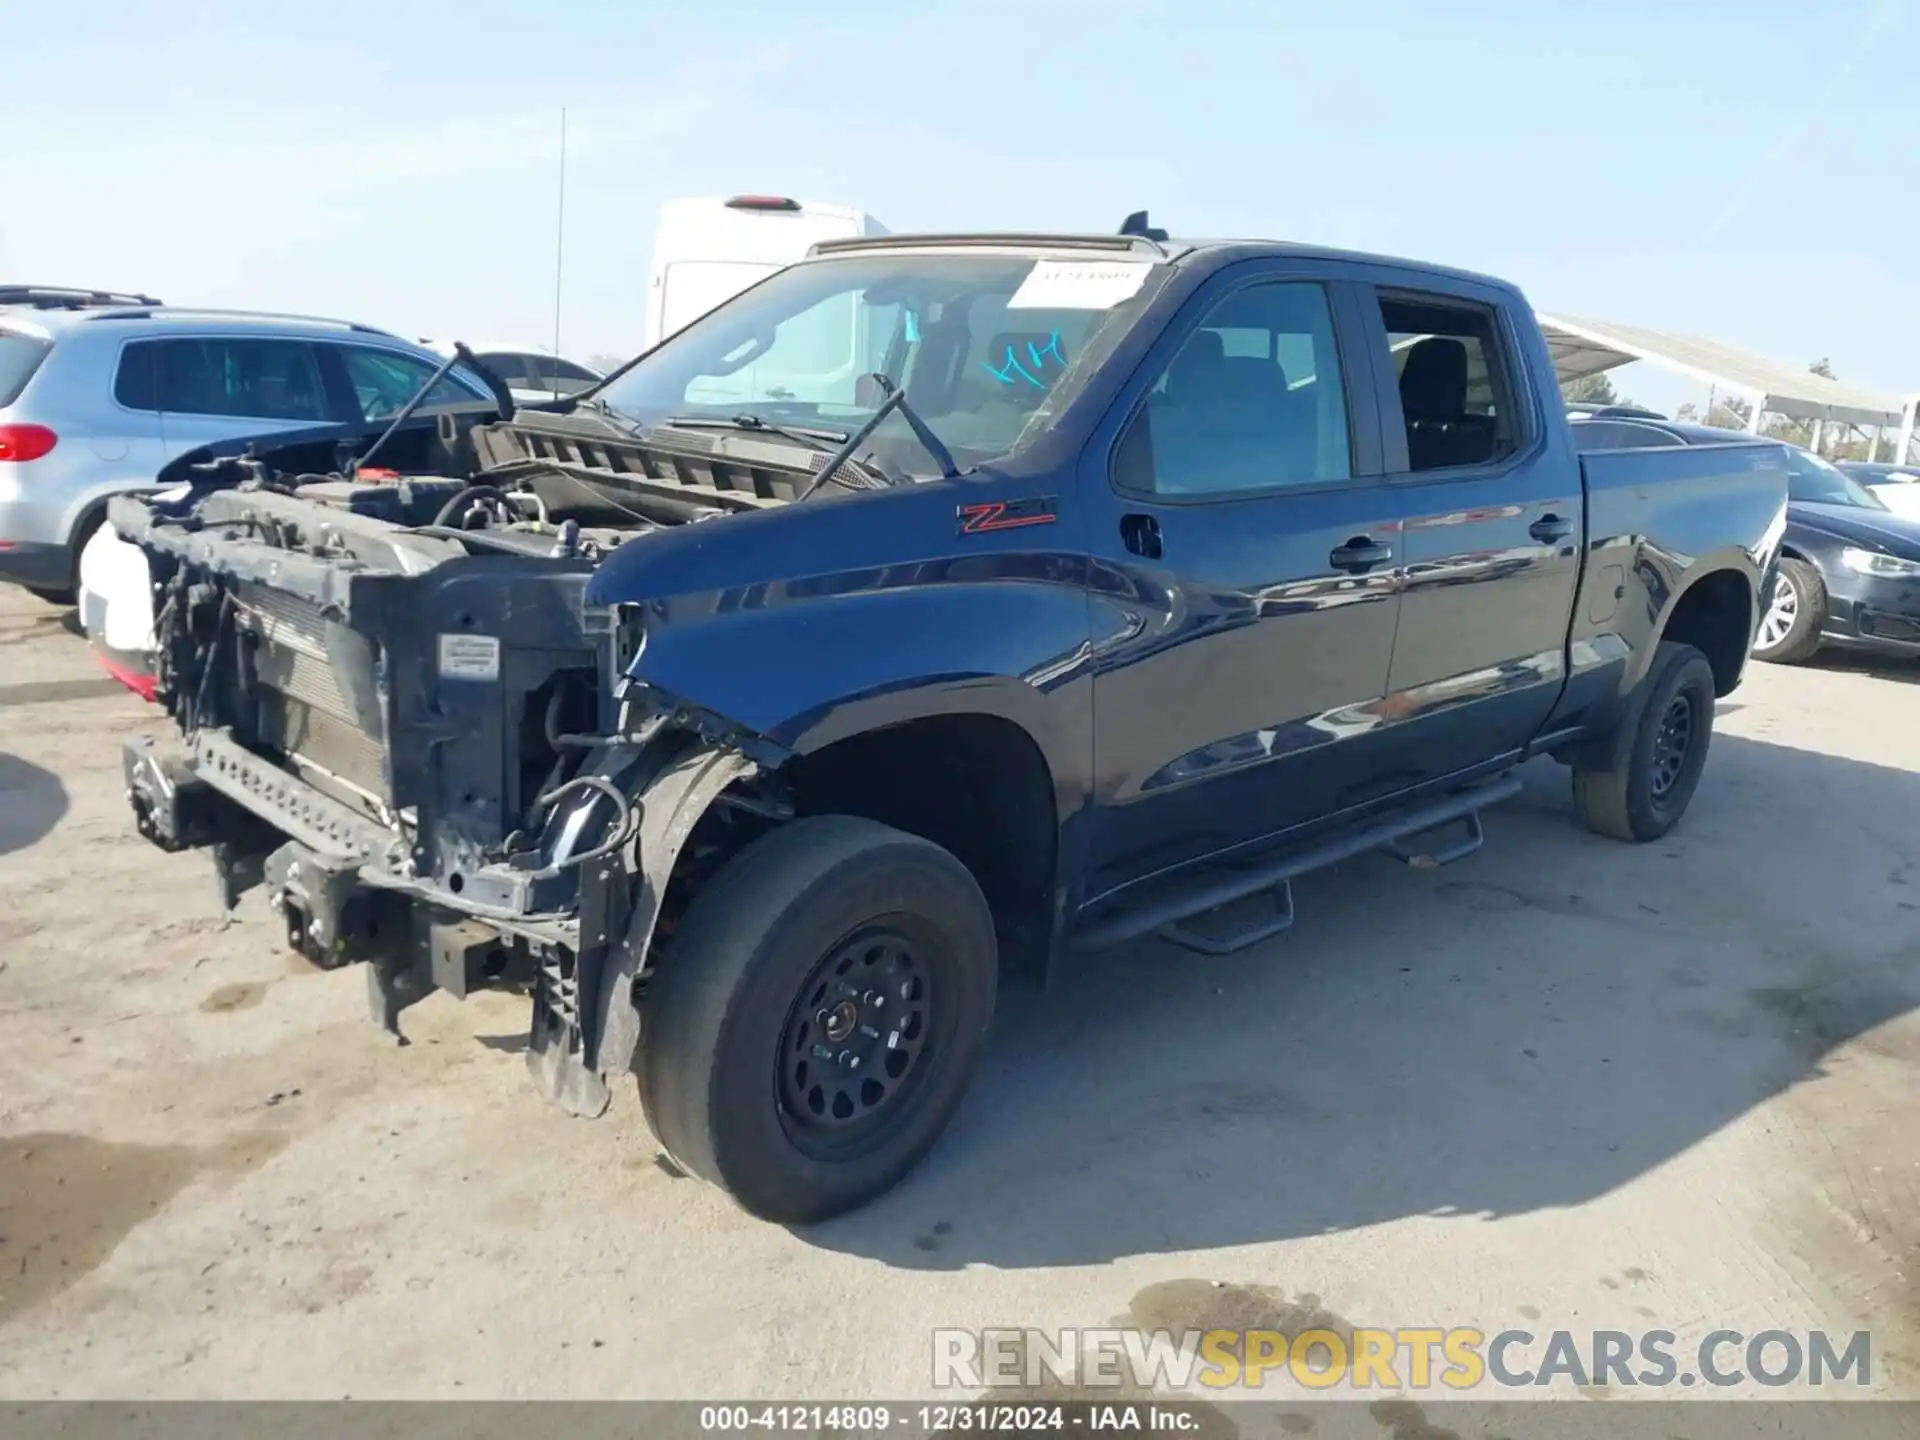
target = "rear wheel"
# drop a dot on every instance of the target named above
(1796, 613)
(1641, 783)
(817, 1016)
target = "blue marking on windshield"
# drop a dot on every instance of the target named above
(1012, 372)
(1008, 371)
(1039, 357)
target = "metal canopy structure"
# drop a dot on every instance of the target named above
(1589, 347)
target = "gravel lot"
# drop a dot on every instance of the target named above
(1564, 1084)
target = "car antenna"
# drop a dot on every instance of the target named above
(1136, 224)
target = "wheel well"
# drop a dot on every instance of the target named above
(1715, 616)
(976, 785)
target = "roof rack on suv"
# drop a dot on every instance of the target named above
(1120, 243)
(67, 297)
(202, 312)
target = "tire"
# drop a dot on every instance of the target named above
(786, 950)
(1799, 590)
(1637, 787)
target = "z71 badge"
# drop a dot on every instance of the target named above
(988, 515)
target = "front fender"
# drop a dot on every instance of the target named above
(820, 621)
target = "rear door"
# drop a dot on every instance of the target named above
(1492, 512)
(207, 388)
(1243, 596)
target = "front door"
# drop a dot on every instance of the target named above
(1244, 594)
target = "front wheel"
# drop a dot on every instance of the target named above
(1796, 613)
(817, 1016)
(1641, 784)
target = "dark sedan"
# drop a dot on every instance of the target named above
(1849, 570)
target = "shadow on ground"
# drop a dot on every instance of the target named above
(32, 802)
(1531, 1028)
(1849, 661)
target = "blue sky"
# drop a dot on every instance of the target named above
(1743, 171)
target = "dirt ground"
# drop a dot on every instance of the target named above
(1564, 1084)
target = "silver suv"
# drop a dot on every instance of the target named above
(98, 391)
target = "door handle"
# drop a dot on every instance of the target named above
(1141, 535)
(1360, 554)
(1550, 529)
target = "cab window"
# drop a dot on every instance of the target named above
(1255, 400)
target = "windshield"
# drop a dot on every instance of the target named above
(1812, 479)
(984, 344)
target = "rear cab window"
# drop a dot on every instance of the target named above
(1458, 389)
(20, 357)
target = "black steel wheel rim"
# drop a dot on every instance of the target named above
(1672, 743)
(856, 1043)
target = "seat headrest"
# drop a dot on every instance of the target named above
(1200, 365)
(1433, 382)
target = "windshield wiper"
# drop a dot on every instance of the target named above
(805, 434)
(619, 419)
(896, 400)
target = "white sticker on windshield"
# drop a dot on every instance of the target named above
(469, 657)
(1079, 284)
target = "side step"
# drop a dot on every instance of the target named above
(1171, 915)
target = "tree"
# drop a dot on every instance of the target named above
(1732, 413)
(1824, 368)
(1689, 413)
(605, 363)
(1589, 390)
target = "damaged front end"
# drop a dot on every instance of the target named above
(424, 746)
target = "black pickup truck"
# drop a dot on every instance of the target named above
(940, 603)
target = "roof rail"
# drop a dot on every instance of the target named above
(201, 312)
(67, 297)
(1123, 244)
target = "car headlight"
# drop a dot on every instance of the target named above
(1872, 562)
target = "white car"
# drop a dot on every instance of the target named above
(1896, 487)
(531, 373)
(116, 605)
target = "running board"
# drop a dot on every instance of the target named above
(1171, 915)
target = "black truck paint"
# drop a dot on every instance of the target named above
(517, 755)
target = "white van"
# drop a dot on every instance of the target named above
(707, 251)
